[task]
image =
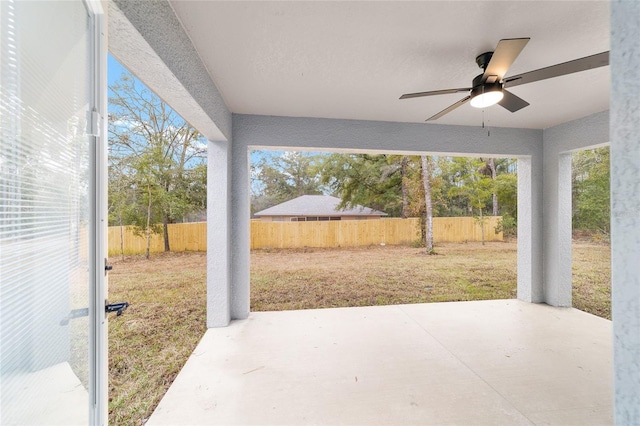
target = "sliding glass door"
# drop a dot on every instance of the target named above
(49, 212)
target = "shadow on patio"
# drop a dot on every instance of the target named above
(490, 362)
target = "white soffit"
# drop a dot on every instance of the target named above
(352, 60)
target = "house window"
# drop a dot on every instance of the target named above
(298, 219)
(322, 218)
(335, 218)
(312, 219)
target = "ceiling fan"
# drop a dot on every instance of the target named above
(489, 88)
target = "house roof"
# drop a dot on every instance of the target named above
(317, 205)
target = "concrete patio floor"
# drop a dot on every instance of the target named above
(470, 363)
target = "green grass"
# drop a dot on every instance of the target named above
(151, 341)
(325, 278)
(592, 278)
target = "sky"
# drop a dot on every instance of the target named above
(114, 69)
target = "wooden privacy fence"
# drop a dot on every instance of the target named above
(337, 233)
(350, 233)
(463, 229)
(182, 237)
(346, 233)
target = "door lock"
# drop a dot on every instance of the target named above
(118, 308)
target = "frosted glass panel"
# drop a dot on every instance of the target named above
(45, 230)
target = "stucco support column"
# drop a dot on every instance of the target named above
(558, 144)
(241, 232)
(557, 228)
(218, 234)
(625, 208)
(530, 284)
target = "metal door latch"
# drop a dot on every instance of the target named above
(118, 308)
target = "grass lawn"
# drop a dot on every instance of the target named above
(592, 278)
(151, 341)
(389, 275)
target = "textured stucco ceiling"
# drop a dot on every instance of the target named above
(352, 60)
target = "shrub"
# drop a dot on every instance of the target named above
(508, 225)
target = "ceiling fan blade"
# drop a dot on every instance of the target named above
(505, 54)
(512, 102)
(582, 64)
(434, 92)
(449, 109)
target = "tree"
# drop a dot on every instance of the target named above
(157, 156)
(390, 183)
(404, 166)
(120, 198)
(426, 181)
(473, 185)
(374, 181)
(491, 165)
(283, 176)
(591, 190)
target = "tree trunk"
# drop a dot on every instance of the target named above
(426, 175)
(148, 223)
(165, 231)
(482, 226)
(121, 240)
(492, 167)
(405, 189)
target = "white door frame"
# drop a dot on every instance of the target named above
(98, 344)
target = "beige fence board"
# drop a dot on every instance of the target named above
(347, 233)
(331, 234)
(462, 229)
(132, 243)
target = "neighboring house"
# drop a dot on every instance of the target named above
(308, 208)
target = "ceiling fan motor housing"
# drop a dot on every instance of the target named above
(483, 59)
(479, 87)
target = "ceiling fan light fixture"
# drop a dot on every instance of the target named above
(486, 95)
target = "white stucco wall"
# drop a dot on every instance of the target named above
(625, 208)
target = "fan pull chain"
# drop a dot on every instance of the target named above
(488, 128)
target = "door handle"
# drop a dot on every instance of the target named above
(118, 308)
